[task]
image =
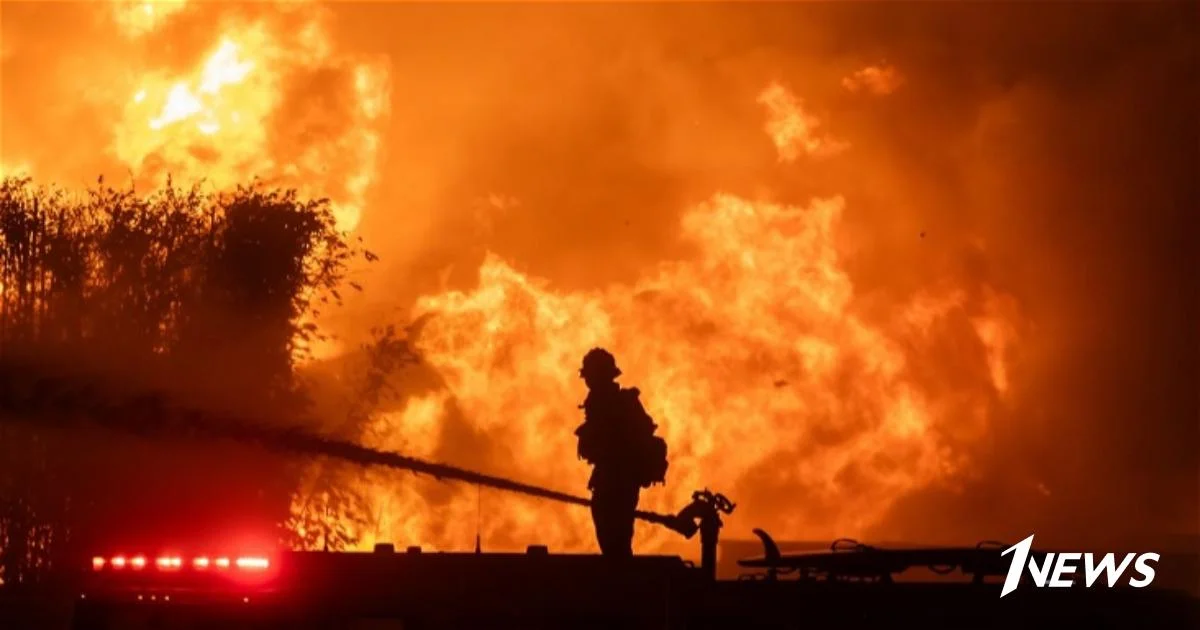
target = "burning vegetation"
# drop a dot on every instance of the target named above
(817, 326)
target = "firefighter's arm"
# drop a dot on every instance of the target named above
(587, 439)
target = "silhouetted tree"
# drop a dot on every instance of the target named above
(199, 297)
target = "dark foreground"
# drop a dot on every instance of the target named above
(537, 590)
(317, 590)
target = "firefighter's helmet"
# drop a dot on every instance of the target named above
(599, 363)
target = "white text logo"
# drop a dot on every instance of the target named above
(1066, 564)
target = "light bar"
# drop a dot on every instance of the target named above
(171, 563)
(253, 563)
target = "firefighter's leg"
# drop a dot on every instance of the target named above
(623, 520)
(612, 514)
(611, 509)
(598, 519)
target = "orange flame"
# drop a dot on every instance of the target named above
(223, 120)
(792, 129)
(769, 377)
(137, 18)
(765, 378)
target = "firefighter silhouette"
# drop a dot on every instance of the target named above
(617, 438)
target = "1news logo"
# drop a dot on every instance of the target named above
(1065, 564)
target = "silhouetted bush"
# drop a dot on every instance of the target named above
(200, 297)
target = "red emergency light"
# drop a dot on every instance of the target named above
(252, 563)
(176, 563)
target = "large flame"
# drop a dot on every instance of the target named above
(770, 378)
(254, 104)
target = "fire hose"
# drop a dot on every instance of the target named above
(149, 416)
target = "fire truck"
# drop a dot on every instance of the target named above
(849, 585)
